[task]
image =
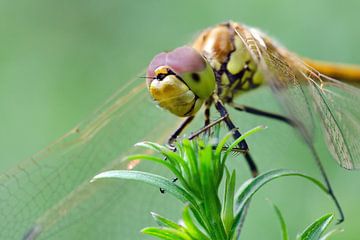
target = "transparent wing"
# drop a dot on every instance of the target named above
(303, 91)
(337, 104)
(282, 80)
(49, 196)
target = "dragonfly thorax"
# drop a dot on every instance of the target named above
(231, 61)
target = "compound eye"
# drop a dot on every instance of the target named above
(188, 66)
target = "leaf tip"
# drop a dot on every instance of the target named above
(96, 177)
(263, 126)
(139, 144)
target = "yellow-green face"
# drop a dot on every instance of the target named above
(180, 81)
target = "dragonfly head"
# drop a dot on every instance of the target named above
(180, 80)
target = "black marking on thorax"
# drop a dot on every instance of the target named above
(237, 79)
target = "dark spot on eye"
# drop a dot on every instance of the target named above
(161, 76)
(195, 77)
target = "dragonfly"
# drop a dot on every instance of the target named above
(229, 60)
(49, 195)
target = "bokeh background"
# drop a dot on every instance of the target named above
(59, 60)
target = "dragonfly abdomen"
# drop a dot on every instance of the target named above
(236, 72)
(342, 72)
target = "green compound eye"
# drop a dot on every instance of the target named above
(202, 83)
(180, 80)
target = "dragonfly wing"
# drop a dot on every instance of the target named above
(337, 104)
(303, 91)
(282, 79)
(49, 196)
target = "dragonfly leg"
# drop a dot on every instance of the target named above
(178, 131)
(236, 134)
(207, 112)
(207, 127)
(262, 113)
(243, 148)
(173, 137)
(327, 182)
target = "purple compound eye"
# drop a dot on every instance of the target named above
(180, 60)
(185, 60)
(157, 61)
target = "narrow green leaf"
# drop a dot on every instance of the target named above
(164, 222)
(251, 188)
(219, 147)
(201, 218)
(241, 189)
(330, 233)
(151, 179)
(314, 231)
(242, 214)
(284, 232)
(194, 181)
(183, 165)
(150, 145)
(166, 233)
(228, 205)
(159, 161)
(212, 205)
(191, 227)
(163, 150)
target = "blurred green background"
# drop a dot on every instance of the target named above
(59, 60)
